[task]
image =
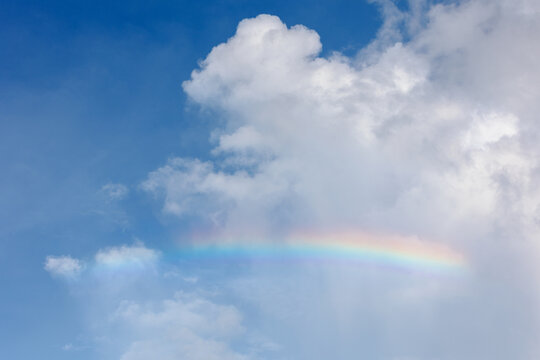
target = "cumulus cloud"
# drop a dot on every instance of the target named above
(64, 266)
(431, 133)
(418, 137)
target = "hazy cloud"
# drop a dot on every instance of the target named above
(115, 191)
(187, 327)
(137, 317)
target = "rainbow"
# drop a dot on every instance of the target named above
(390, 251)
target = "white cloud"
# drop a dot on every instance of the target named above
(134, 318)
(64, 266)
(115, 191)
(402, 138)
(435, 137)
(135, 255)
(110, 261)
(68, 347)
(73, 347)
(187, 327)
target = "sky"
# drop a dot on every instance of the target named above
(270, 180)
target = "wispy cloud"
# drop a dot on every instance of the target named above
(115, 191)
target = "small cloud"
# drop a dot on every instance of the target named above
(191, 279)
(115, 191)
(136, 255)
(72, 347)
(175, 273)
(68, 347)
(64, 266)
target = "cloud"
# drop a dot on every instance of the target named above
(69, 347)
(115, 191)
(135, 255)
(187, 327)
(64, 266)
(430, 131)
(133, 315)
(112, 260)
(419, 137)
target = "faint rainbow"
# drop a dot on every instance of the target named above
(393, 251)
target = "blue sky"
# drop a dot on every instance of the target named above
(134, 130)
